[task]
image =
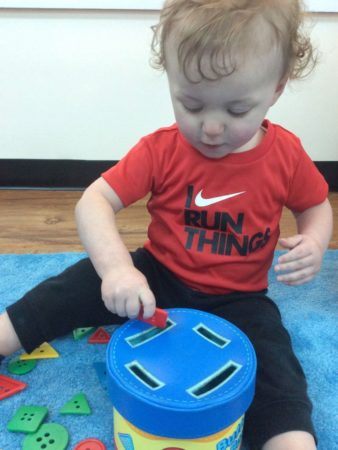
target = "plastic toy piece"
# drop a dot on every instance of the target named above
(79, 333)
(50, 436)
(78, 405)
(90, 444)
(126, 441)
(99, 337)
(45, 351)
(27, 419)
(159, 319)
(9, 387)
(173, 398)
(20, 367)
(101, 372)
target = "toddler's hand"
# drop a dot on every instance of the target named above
(302, 261)
(124, 290)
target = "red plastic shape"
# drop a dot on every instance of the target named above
(99, 337)
(159, 319)
(9, 386)
(90, 444)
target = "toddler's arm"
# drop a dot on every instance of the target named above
(123, 287)
(306, 249)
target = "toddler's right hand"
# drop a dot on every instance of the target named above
(124, 290)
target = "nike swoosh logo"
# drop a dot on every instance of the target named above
(200, 201)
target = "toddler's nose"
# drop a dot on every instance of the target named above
(213, 129)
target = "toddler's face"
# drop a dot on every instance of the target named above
(224, 116)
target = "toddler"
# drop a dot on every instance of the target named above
(219, 179)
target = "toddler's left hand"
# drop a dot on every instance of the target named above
(302, 262)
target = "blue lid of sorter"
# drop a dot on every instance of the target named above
(189, 380)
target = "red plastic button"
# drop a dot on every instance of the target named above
(90, 444)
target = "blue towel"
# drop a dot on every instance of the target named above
(310, 312)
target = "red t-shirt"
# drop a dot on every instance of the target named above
(215, 222)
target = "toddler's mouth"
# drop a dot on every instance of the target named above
(212, 146)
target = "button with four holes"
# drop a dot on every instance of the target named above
(27, 419)
(50, 436)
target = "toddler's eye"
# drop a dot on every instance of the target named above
(238, 113)
(195, 109)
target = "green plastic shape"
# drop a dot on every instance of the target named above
(17, 366)
(27, 419)
(50, 436)
(79, 333)
(77, 405)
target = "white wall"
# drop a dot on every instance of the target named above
(77, 85)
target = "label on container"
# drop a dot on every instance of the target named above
(128, 437)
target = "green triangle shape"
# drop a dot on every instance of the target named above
(77, 405)
(79, 333)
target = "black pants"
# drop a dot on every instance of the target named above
(73, 299)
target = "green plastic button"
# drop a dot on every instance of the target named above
(50, 436)
(79, 333)
(21, 367)
(27, 419)
(77, 405)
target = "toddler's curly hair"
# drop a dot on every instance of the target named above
(222, 29)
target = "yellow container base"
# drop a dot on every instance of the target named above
(127, 436)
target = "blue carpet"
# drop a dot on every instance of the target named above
(310, 312)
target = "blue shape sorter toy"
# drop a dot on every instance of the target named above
(189, 380)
